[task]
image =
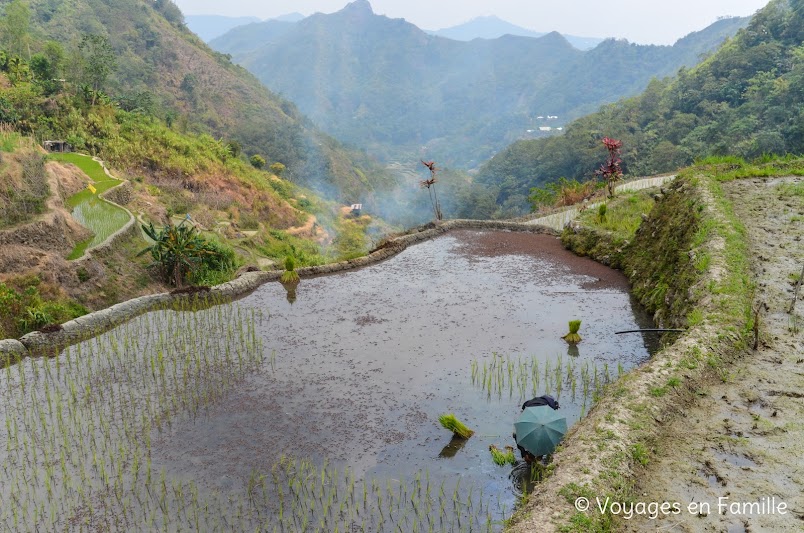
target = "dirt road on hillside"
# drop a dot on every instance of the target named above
(735, 461)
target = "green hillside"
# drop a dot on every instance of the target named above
(746, 100)
(388, 86)
(159, 67)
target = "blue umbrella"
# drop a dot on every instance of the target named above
(540, 429)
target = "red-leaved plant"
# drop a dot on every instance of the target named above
(610, 170)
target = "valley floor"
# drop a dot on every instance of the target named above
(743, 440)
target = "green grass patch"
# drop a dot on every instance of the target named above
(731, 168)
(640, 454)
(622, 215)
(102, 181)
(9, 141)
(695, 318)
(791, 189)
(278, 245)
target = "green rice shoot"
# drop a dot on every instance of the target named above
(453, 424)
(502, 458)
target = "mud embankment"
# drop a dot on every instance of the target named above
(687, 265)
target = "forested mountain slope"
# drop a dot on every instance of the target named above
(746, 100)
(388, 86)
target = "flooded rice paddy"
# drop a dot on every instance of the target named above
(321, 414)
(88, 208)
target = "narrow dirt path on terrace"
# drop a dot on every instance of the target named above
(744, 439)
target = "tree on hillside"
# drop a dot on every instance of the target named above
(170, 11)
(277, 169)
(98, 61)
(257, 161)
(16, 25)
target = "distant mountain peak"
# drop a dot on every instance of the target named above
(358, 6)
(556, 39)
(488, 17)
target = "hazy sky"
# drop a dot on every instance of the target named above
(640, 21)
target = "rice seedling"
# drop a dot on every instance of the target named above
(502, 458)
(572, 337)
(531, 378)
(451, 423)
(289, 275)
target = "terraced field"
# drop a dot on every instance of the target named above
(89, 209)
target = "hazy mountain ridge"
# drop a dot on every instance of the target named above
(745, 100)
(210, 26)
(492, 27)
(595, 75)
(390, 87)
(253, 36)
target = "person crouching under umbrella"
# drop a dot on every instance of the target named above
(534, 402)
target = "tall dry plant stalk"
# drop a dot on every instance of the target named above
(430, 186)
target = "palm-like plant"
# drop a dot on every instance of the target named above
(177, 250)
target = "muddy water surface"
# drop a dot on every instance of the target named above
(365, 361)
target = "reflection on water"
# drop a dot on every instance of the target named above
(453, 447)
(525, 476)
(290, 288)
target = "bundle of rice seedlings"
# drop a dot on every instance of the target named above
(503, 458)
(453, 424)
(290, 275)
(573, 337)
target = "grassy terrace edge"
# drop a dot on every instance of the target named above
(688, 264)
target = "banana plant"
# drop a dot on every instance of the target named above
(177, 250)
